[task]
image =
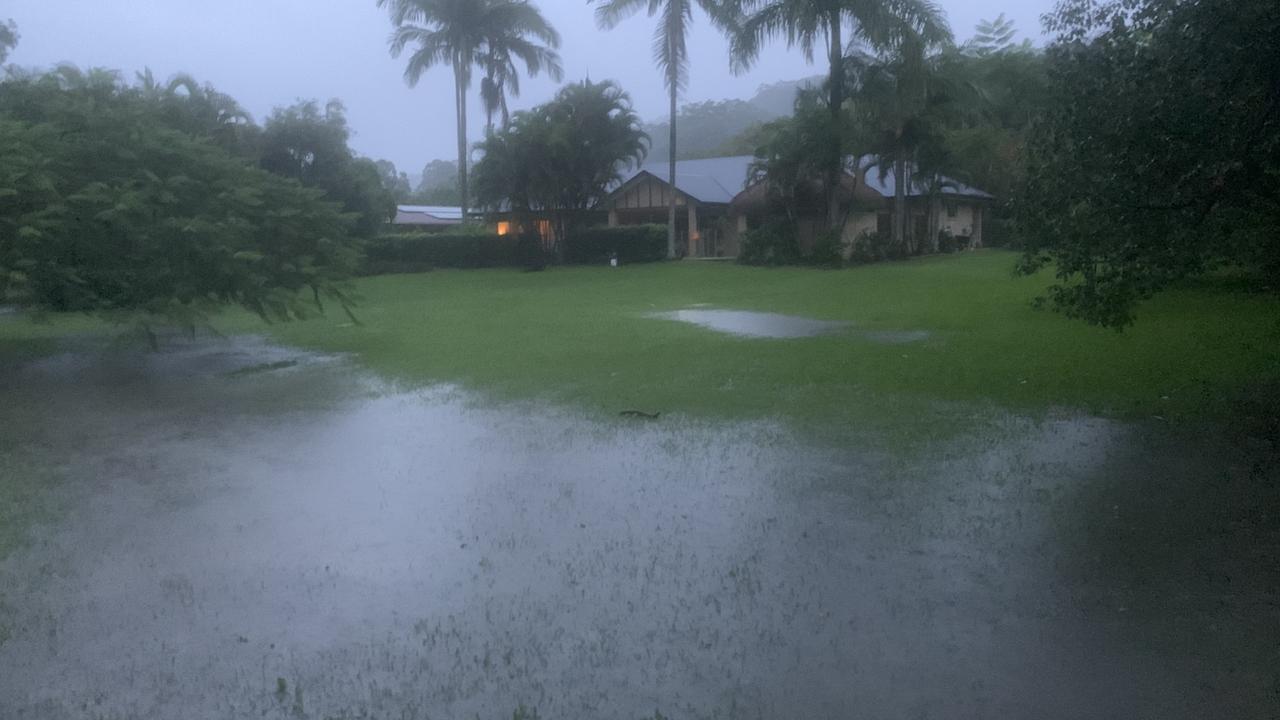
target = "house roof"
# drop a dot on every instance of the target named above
(720, 180)
(713, 180)
(427, 215)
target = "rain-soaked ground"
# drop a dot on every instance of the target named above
(747, 324)
(249, 531)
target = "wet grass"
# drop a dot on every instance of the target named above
(580, 336)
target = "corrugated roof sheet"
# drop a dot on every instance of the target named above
(720, 180)
(714, 180)
(427, 215)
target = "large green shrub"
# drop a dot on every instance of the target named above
(631, 244)
(774, 243)
(407, 252)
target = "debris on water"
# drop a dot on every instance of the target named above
(263, 368)
(640, 414)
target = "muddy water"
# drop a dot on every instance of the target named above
(301, 542)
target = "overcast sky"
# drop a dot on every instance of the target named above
(268, 53)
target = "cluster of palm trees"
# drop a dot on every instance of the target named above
(495, 36)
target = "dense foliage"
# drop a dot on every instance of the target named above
(110, 202)
(1159, 153)
(309, 145)
(411, 252)
(629, 244)
(561, 158)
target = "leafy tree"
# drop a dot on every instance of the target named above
(8, 39)
(1158, 157)
(466, 34)
(905, 98)
(394, 182)
(309, 145)
(993, 36)
(671, 53)
(108, 205)
(791, 157)
(878, 24)
(563, 157)
(202, 111)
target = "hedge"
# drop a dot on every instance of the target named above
(631, 243)
(420, 252)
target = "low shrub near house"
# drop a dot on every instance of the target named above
(631, 243)
(409, 252)
(774, 243)
(875, 247)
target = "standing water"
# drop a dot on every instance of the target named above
(246, 531)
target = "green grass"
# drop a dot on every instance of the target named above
(579, 336)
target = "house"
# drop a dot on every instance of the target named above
(428, 218)
(717, 204)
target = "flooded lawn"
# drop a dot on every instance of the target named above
(782, 327)
(754, 324)
(247, 530)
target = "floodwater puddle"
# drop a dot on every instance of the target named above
(749, 324)
(754, 324)
(310, 544)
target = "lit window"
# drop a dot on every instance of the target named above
(504, 228)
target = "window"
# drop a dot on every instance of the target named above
(953, 209)
(504, 228)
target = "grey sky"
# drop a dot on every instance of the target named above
(268, 53)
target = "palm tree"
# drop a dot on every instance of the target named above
(461, 34)
(878, 24)
(670, 51)
(502, 78)
(906, 97)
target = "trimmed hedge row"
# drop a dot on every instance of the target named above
(411, 252)
(420, 252)
(631, 243)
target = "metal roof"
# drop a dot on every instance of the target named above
(720, 180)
(427, 215)
(714, 180)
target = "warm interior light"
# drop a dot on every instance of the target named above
(504, 228)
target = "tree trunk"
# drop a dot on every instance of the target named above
(671, 210)
(835, 168)
(461, 90)
(900, 203)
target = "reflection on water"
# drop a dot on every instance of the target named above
(293, 543)
(754, 324)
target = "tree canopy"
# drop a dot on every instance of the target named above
(149, 199)
(1158, 154)
(561, 157)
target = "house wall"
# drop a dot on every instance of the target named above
(962, 223)
(649, 193)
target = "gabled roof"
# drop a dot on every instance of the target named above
(427, 215)
(713, 180)
(720, 180)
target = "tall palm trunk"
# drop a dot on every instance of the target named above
(900, 202)
(671, 210)
(460, 83)
(835, 168)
